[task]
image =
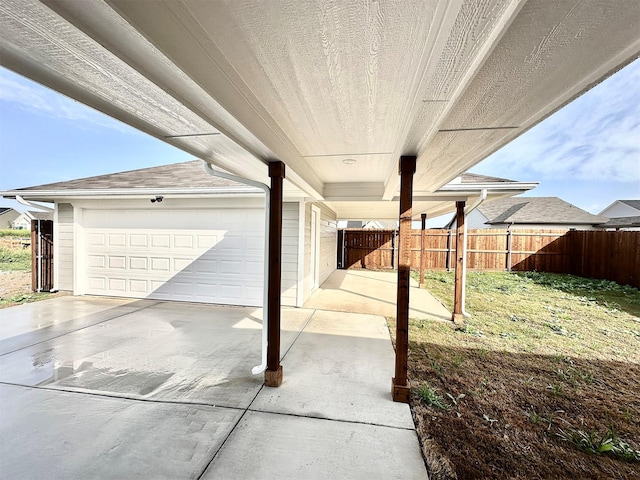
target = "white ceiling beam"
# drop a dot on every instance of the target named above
(413, 147)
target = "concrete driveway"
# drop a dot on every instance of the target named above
(115, 388)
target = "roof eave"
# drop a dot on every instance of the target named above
(476, 187)
(52, 195)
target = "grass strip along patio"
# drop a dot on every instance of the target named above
(542, 381)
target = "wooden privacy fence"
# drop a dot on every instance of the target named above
(596, 254)
(41, 255)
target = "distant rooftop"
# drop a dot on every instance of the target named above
(537, 210)
(631, 203)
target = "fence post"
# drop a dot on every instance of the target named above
(448, 255)
(458, 316)
(509, 243)
(423, 217)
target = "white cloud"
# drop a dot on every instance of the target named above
(37, 99)
(597, 137)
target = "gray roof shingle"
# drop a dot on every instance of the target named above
(623, 222)
(41, 215)
(632, 203)
(536, 210)
(186, 175)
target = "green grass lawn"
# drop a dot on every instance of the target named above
(13, 260)
(543, 381)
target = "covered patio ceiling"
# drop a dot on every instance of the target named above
(338, 91)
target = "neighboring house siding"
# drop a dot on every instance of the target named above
(474, 220)
(290, 229)
(64, 246)
(7, 218)
(328, 239)
(22, 223)
(618, 210)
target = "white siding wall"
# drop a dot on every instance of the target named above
(328, 245)
(63, 246)
(290, 229)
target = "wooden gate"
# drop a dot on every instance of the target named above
(375, 249)
(41, 255)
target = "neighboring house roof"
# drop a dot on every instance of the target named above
(623, 222)
(632, 203)
(41, 215)
(26, 217)
(4, 210)
(537, 210)
(381, 224)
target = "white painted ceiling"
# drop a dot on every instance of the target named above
(315, 82)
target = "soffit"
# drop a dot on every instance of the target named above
(241, 83)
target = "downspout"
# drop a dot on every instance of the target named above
(467, 210)
(267, 195)
(42, 207)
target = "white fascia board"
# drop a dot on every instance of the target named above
(51, 195)
(475, 188)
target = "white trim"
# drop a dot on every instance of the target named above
(56, 246)
(79, 251)
(315, 247)
(300, 282)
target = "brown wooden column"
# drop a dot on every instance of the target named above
(457, 316)
(399, 384)
(423, 238)
(273, 374)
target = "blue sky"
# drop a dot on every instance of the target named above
(588, 153)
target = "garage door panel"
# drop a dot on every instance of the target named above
(160, 264)
(183, 241)
(139, 287)
(146, 256)
(98, 261)
(136, 240)
(160, 241)
(96, 239)
(117, 263)
(117, 284)
(138, 263)
(207, 241)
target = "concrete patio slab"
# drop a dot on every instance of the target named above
(373, 292)
(31, 323)
(165, 391)
(178, 352)
(52, 434)
(268, 446)
(349, 358)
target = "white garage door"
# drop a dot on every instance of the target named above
(213, 256)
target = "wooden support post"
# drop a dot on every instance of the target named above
(399, 385)
(423, 239)
(273, 374)
(458, 317)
